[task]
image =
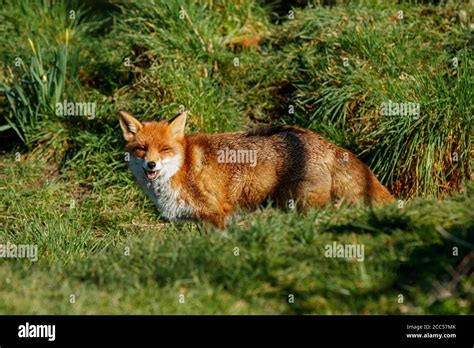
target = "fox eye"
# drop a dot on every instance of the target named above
(140, 148)
(166, 149)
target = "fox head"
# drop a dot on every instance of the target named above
(155, 146)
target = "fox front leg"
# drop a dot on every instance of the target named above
(217, 219)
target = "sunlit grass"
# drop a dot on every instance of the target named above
(234, 65)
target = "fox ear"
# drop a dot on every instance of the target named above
(129, 124)
(177, 124)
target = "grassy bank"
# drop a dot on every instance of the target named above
(333, 69)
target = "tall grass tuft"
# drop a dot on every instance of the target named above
(348, 69)
(40, 71)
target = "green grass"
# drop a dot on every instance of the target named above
(71, 194)
(108, 248)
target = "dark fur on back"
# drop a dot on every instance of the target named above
(267, 131)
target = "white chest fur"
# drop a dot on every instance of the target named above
(167, 199)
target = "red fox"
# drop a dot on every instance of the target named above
(210, 177)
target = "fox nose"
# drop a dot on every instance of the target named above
(151, 165)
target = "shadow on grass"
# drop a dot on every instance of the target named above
(384, 221)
